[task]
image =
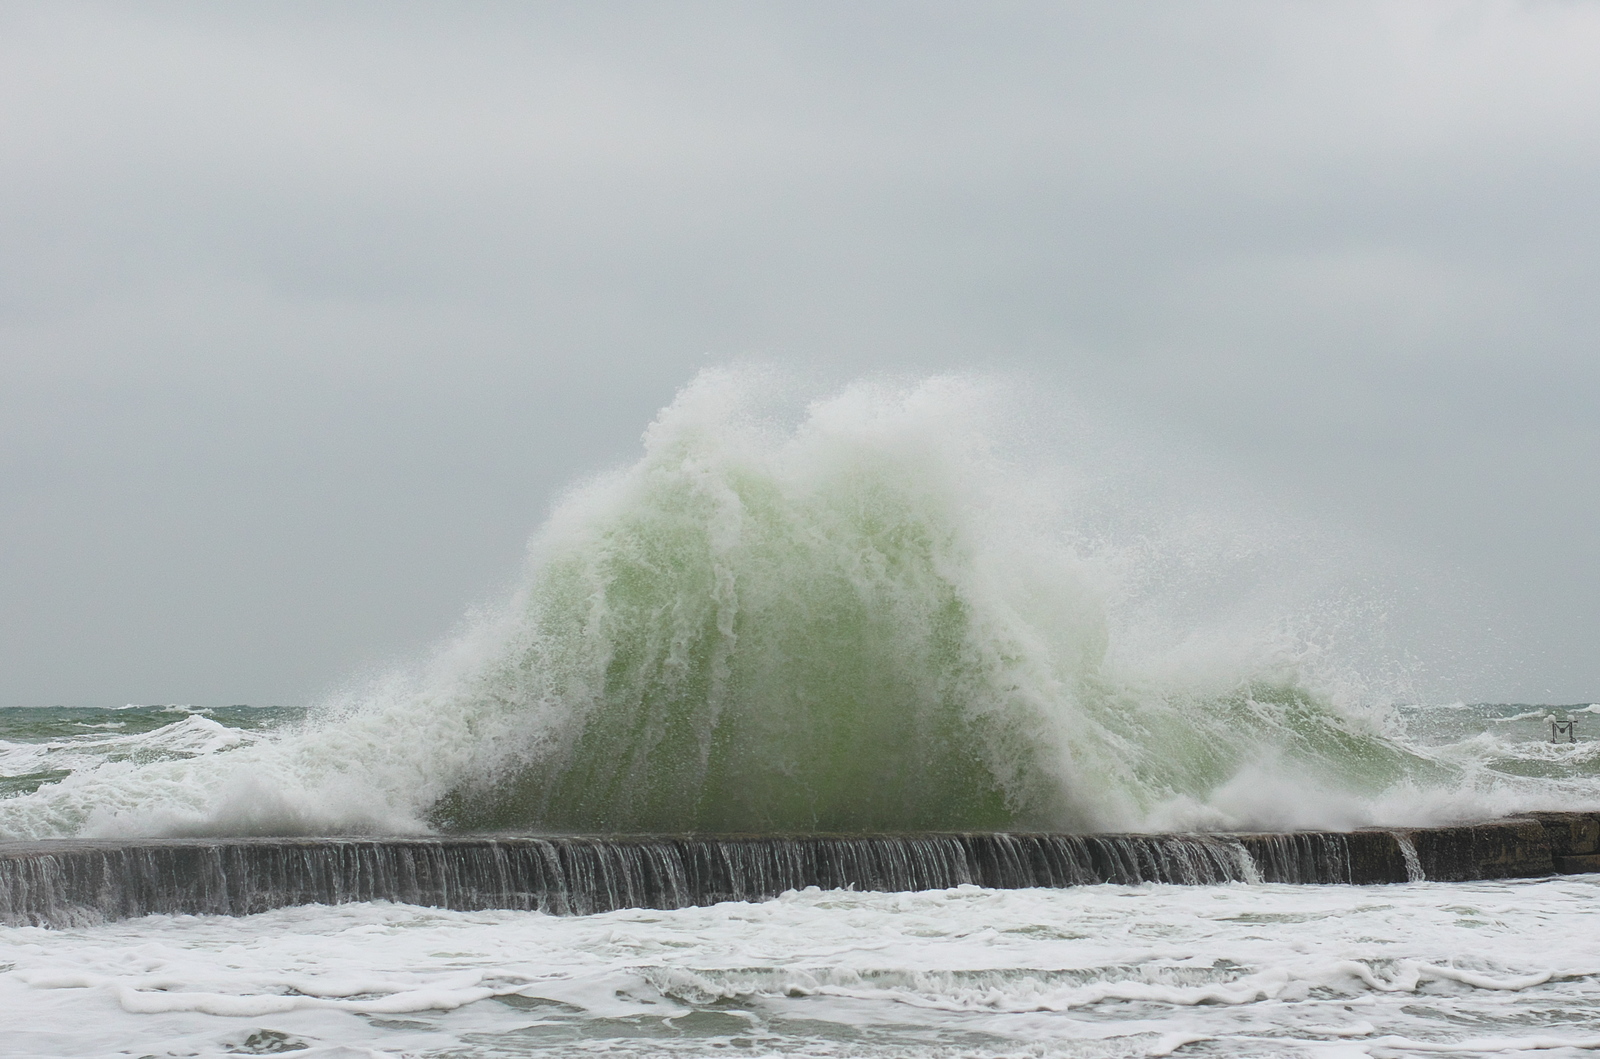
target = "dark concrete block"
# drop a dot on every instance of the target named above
(68, 882)
(1571, 834)
(1582, 864)
(1376, 857)
(1505, 849)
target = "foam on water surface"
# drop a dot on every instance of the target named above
(1493, 968)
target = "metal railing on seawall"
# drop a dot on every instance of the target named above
(69, 882)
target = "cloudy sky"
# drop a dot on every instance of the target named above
(308, 310)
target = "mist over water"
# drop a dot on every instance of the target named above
(872, 611)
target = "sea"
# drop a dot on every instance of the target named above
(859, 613)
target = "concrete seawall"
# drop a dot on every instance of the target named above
(69, 882)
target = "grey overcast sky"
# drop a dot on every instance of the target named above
(308, 310)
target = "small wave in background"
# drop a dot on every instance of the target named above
(864, 612)
(40, 745)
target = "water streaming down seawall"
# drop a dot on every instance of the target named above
(847, 654)
(73, 883)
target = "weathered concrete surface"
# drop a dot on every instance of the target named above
(1358, 857)
(1581, 865)
(57, 883)
(1503, 850)
(1377, 857)
(69, 882)
(1571, 834)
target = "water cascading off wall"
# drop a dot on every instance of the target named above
(853, 617)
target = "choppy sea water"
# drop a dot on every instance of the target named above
(851, 614)
(1503, 751)
(42, 745)
(1486, 968)
(1501, 968)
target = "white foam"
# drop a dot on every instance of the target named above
(1090, 971)
(858, 616)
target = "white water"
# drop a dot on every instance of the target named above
(850, 615)
(772, 621)
(1489, 968)
(192, 736)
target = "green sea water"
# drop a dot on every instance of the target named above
(45, 744)
(852, 617)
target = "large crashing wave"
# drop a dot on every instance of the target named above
(857, 619)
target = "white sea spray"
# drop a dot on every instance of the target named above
(854, 614)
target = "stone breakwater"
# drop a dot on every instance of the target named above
(70, 882)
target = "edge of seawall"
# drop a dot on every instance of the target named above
(68, 882)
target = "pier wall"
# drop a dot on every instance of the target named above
(71, 882)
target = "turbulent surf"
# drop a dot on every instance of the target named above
(844, 616)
